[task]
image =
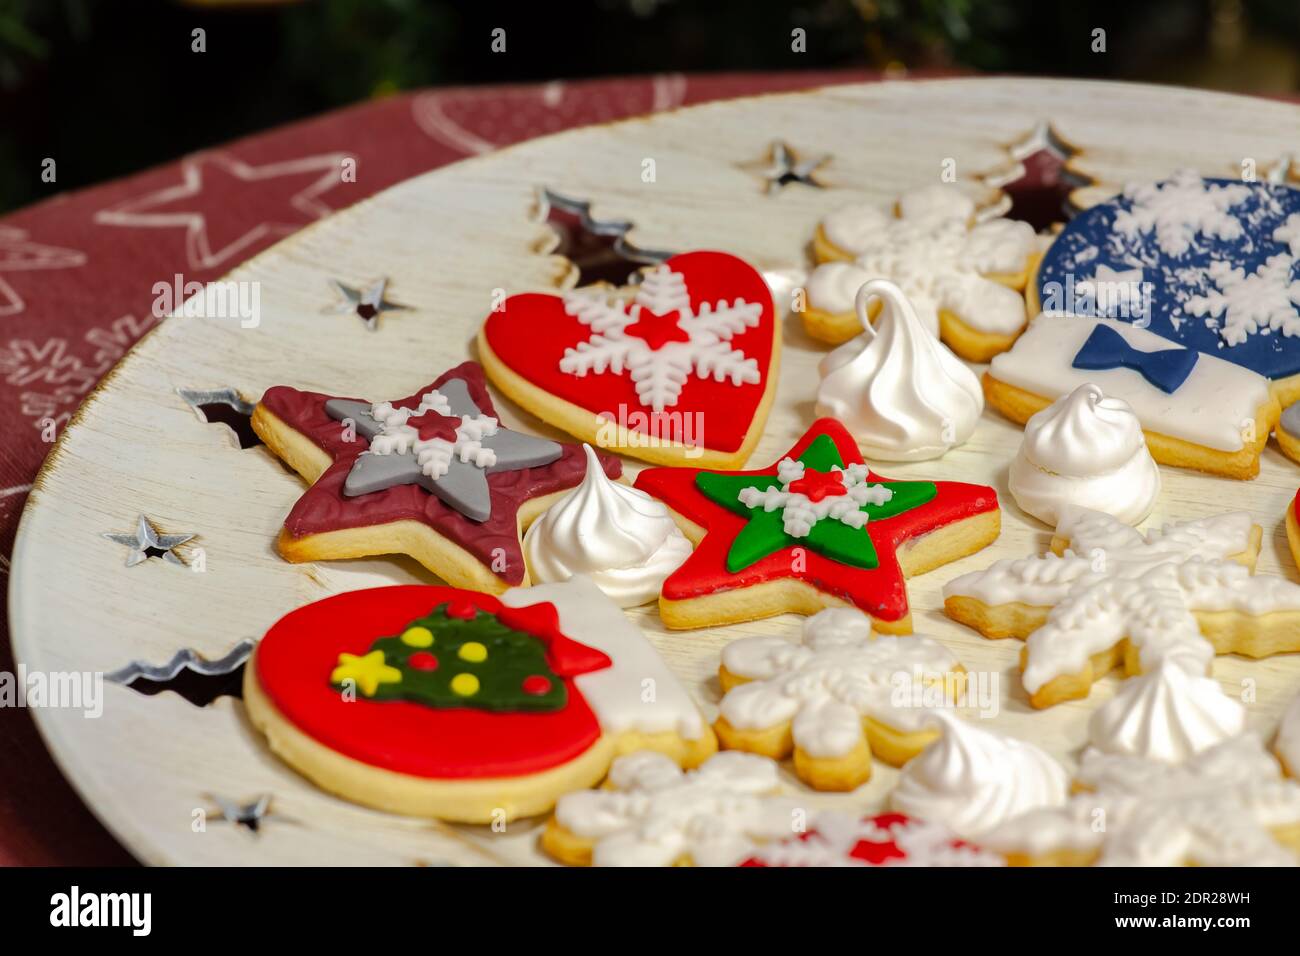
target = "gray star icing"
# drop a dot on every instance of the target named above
(464, 486)
(1291, 419)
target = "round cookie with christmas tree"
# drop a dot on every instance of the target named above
(458, 705)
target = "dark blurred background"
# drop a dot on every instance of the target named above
(113, 86)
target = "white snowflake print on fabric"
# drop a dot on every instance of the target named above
(434, 455)
(659, 352)
(1179, 208)
(838, 494)
(1264, 300)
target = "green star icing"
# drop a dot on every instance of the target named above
(764, 532)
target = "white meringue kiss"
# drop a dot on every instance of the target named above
(1087, 450)
(897, 388)
(620, 537)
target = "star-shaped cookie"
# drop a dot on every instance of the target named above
(816, 529)
(434, 475)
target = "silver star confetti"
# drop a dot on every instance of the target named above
(223, 406)
(246, 815)
(147, 543)
(598, 248)
(368, 303)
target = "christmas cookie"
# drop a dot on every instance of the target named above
(972, 779)
(834, 699)
(963, 277)
(1287, 742)
(684, 371)
(1226, 806)
(437, 702)
(1179, 297)
(900, 392)
(434, 475)
(1288, 431)
(621, 538)
(890, 839)
(816, 529)
(651, 813)
(1108, 595)
(1087, 450)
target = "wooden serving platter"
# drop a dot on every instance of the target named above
(154, 768)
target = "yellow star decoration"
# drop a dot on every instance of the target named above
(369, 671)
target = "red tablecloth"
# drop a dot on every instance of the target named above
(76, 290)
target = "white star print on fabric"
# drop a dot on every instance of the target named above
(140, 212)
(20, 254)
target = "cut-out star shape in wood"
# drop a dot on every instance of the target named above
(783, 167)
(816, 529)
(145, 542)
(248, 816)
(598, 248)
(367, 303)
(223, 406)
(434, 475)
(1039, 180)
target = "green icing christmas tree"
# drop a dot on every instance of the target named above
(465, 658)
(782, 502)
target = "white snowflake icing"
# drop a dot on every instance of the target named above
(659, 374)
(1289, 232)
(1180, 208)
(435, 454)
(1115, 584)
(1222, 807)
(800, 513)
(835, 835)
(1265, 300)
(652, 813)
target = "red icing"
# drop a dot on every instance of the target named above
(324, 507)
(871, 852)
(295, 658)
(816, 485)
(536, 684)
(461, 610)
(657, 330)
(532, 331)
(423, 661)
(880, 592)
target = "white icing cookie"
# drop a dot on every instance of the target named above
(834, 698)
(622, 538)
(902, 393)
(840, 839)
(1287, 742)
(1226, 806)
(653, 814)
(972, 779)
(934, 252)
(1087, 450)
(1119, 595)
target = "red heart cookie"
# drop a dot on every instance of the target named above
(683, 371)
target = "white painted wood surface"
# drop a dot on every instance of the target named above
(446, 240)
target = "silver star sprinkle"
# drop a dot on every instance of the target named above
(147, 543)
(247, 815)
(223, 406)
(368, 303)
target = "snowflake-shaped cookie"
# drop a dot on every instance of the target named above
(660, 339)
(891, 839)
(806, 497)
(932, 251)
(1226, 806)
(1267, 299)
(1179, 208)
(838, 689)
(655, 814)
(1118, 595)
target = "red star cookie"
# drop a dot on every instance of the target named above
(817, 529)
(433, 475)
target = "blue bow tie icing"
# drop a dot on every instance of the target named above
(1218, 261)
(1106, 349)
